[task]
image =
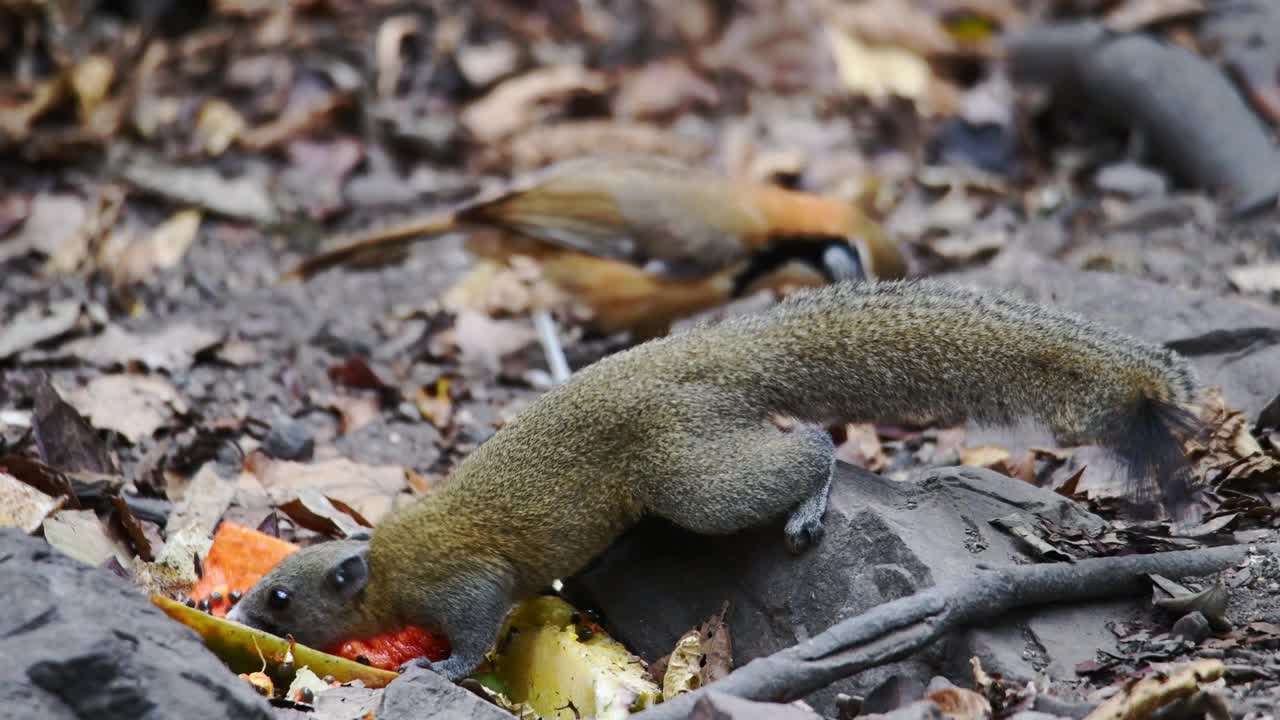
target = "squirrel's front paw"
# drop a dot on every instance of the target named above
(802, 533)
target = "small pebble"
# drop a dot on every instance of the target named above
(289, 439)
(1193, 626)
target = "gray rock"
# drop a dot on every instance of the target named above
(421, 693)
(884, 540)
(1193, 626)
(719, 706)
(79, 642)
(289, 439)
(1233, 344)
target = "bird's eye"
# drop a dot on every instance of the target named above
(278, 599)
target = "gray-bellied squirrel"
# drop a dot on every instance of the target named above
(684, 427)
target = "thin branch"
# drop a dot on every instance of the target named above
(898, 629)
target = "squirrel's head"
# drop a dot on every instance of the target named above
(315, 595)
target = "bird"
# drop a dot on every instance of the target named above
(643, 242)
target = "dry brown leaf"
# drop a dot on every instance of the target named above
(961, 704)
(65, 439)
(313, 511)
(910, 26)
(1140, 700)
(435, 403)
(164, 248)
(663, 89)
(369, 490)
(717, 647)
(1264, 278)
(18, 114)
(354, 412)
(38, 323)
(78, 248)
(202, 503)
(483, 341)
(1232, 454)
(483, 65)
(136, 406)
(173, 348)
(218, 125)
(542, 145)
(311, 112)
(879, 72)
(91, 81)
(79, 534)
(22, 506)
(387, 50)
(51, 220)
(529, 99)
(244, 197)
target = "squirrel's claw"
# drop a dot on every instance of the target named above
(802, 533)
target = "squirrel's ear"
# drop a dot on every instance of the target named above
(350, 575)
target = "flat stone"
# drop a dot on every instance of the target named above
(80, 642)
(884, 540)
(421, 693)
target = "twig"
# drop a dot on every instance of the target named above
(897, 629)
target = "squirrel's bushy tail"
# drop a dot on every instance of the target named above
(930, 351)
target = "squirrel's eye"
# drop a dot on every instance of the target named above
(278, 599)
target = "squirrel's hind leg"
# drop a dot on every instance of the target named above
(747, 477)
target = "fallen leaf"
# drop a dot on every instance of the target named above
(317, 513)
(483, 65)
(41, 477)
(541, 145)
(961, 704)
(1141, 699)
(91, 81)
(663, 89)
(244, 197)
(66, 440)
(51, 220)
(435, 403)
(1263, 278)
(173, 348)
(529, 99)
(372, 491)
(162, 249)
(484, 341)
(136, 406)
(879, 72)
(38, 323)
(202, 504)
(22, 506)
(355, 372)
(717, 647)
(353, 412)
(79, 534)
(683, 667)
(217, 127)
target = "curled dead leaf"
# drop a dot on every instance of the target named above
(529, 99)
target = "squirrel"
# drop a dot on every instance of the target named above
(719, 428)
(645, 241)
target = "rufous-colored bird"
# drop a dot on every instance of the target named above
(644, 242)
